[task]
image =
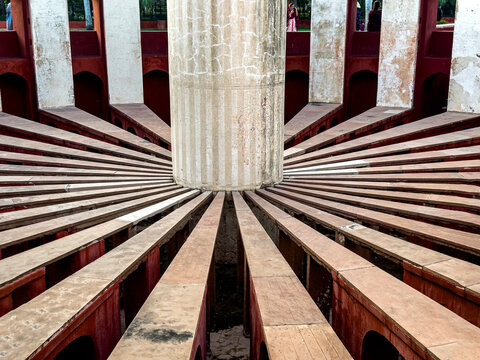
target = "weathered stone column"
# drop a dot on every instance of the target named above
(327, 51)
(464, 91)
(398, 53)
(51, 53)
(227, 79)
(124, 51)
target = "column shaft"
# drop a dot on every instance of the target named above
(123, 51)
(464, 92)
(227, 84)
(51, 53)
(398, 53)
(327, 50)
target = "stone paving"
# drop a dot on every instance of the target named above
(229, 344)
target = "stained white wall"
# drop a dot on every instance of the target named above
(51, 53)
(327, 50)
(398, 53)
(123, 51)
(464, 92)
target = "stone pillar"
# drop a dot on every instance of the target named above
(123, 49)
(88, 14)
(51, 53)
(327, 51)
(464, 91)
(227, 80)
(398, 53)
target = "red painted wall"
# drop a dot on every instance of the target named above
(157, 93)
(296, 93)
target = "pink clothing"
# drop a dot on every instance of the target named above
(292, 19)
(292, 25)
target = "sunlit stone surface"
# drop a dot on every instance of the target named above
(464, 92)
(398, 53)
(52, 53)
(327, 51)
(124, 51)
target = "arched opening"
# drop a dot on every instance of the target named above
(14, 91)
(157, 93)
(398, 123)
(434, 95)
(376, 346)
(263, 352)
(88, 93)
(296, 93)
(162, 143)
(118, 123)
(198, 354)
(362, 92)
(322, 129)
(132, 131)
(146, 138)
(81, 348)
(334, 122)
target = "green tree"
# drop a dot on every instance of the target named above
(153, 10)
(145, 4)
(304, 8)
(448, 7)
(3, 10)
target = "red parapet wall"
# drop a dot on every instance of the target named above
(159, 24)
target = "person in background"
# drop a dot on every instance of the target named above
(9, 16)
(292, 17)
(375, 18)
(359, 16)
(439, 14)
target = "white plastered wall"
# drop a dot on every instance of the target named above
(398, 53)
(464, 92)
(123, 51)
(52, 53)
(327, 50)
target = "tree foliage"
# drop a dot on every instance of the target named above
(3, 10)
(153, 10)
(76, 10)
(448, 7)
(304, 8)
